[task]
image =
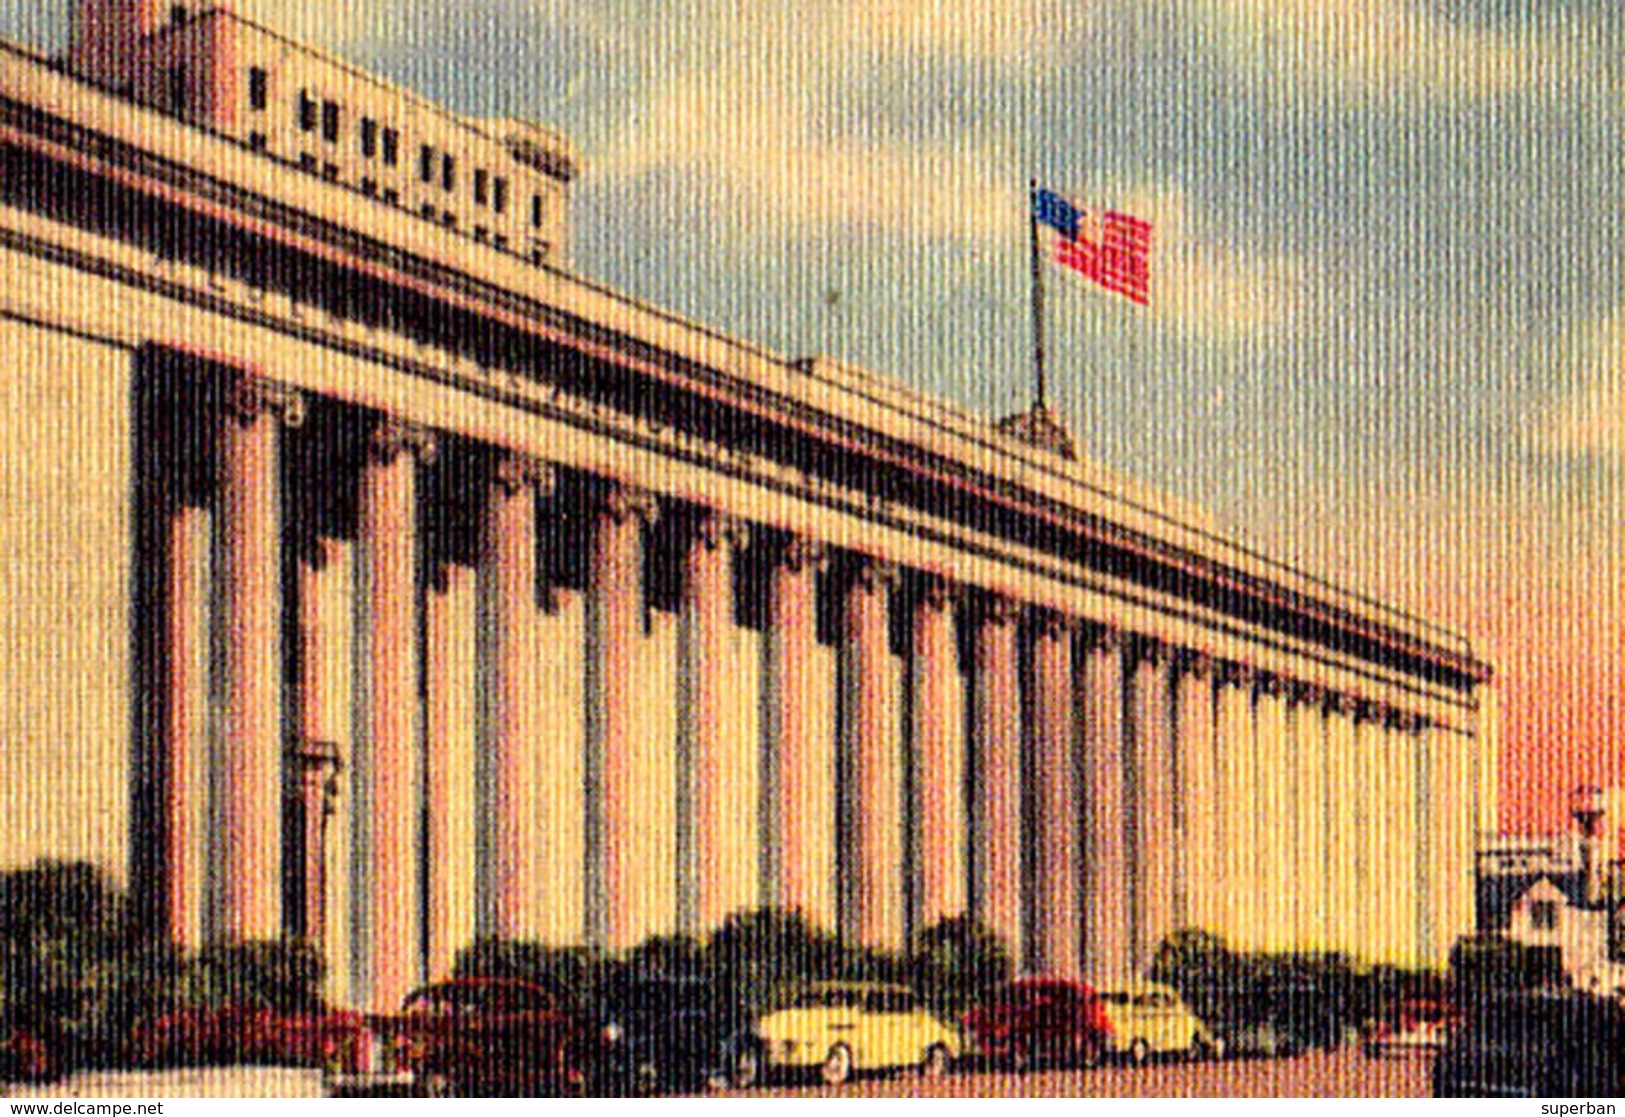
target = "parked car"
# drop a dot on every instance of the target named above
(474, 1036)
(839, 1028)
(1270, 1017)
(1534, 1044)
(1040, 1021)
(215, 1035)
(662, 1032)
(1150, 1019)
(1418, 1024)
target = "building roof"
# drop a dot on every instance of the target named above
(1499, 894)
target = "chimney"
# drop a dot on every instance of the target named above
(1585, 804)
(106, 35)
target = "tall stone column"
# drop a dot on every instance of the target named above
(452, 688)
(939, 760)
(797, 874)
(185, 667)
(1342, 825)
(995, 851)
(509, 717)
(1150, 804)
(872, 862)
(313, 767)
(1306, 732)
(1238, 796)
(1370, 790)
(1450, 845)
(1106, 931)
(1402, 837)
(1272, 820)
(711, 810)
(1055, 945)
(614, 626)
(387, 747)
(250, 773)
(1197, 872)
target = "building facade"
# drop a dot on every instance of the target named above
(378, 580)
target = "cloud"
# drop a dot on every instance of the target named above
(338, 25)
(1018, 31)
(1590, 419)
(1382, 49)
(744, 133)
(1205, 288)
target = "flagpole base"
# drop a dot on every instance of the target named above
(1038, 426)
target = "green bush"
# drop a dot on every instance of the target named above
(74, 965)
(957, 963)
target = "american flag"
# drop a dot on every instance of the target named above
(1112, 249)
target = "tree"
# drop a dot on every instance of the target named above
(957, 963)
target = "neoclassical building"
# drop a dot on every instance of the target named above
(373, 576)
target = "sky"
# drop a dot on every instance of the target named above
(1387, 320)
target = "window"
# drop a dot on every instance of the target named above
(482, 186)
(330, 121)
(392, 147)
(307, 112)
(536, 210)
(178, 15)
(259, 89)
(369, 137)
(177, 88)
(256, 140)
(426, 163)
(1543, 915)
(499, 194)
(448, 173)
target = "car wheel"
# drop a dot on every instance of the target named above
(837, 1066)
(745, 1067)
(1091, 1052)
(435, 1085)
(646, 1078)
(1139, 1052)
(936, 1061)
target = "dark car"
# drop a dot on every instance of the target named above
(481, 1036)
(1532, 1045)
(1273, 1015)
(1040, 1021)
(659, 1032)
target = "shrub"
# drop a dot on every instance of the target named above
(957, 963)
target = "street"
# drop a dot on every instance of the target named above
(1346, 1073)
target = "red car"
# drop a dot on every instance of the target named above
(1041, 1021)
(215, 1035)
(474, 1036)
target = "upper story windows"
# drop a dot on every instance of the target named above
(436, 167)
(259, 89)
(177, 88)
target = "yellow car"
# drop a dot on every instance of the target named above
(838, 1028)
(1149, 1019)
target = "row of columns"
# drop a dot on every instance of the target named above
(1113, 790)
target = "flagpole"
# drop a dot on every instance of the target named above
(1041, 401)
